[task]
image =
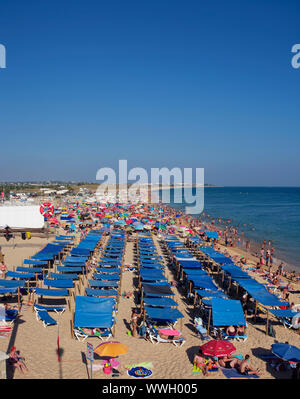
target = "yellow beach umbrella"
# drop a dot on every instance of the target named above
(111, 349)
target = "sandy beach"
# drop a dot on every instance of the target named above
(39, 345)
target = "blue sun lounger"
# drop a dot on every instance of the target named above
(44, 316)
(58, 283)
(101, 292)
(57, 309)
(52, 292)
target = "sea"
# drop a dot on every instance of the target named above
(260, 213)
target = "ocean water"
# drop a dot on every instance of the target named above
(261, 213)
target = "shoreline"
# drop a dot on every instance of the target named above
(237, 250)
(255, 245)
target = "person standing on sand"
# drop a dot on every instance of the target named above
(261, 260)
(16, 360)
(267, 257)
(3, 270)
(271, 262)
(134, 321)
(1, 256)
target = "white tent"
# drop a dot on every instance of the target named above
(21, 217)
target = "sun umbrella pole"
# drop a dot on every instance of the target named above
(142, 296)
(72, 326)
(208, 325)
(267, 325)
(19, 299)
(114, 328)
(255, 314)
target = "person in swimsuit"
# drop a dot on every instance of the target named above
(245, 368)
(231, 331)
(92, 331)
(134, 321)
(3, 270)
(170, 337)
(240, 330)
(16, 360)
(201, 362)
(228, 362)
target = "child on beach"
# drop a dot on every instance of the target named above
(201, 362)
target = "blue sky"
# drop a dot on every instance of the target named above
(160, 83)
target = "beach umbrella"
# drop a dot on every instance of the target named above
(111, 349)
(286, 352)
(139, 227)
(218, 347)
(120, 222)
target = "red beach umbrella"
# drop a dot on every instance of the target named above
(218, 347)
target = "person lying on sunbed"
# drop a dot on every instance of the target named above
(240, 330)
(231, 331)
(170, 337)
(245, 368)
(92, 331)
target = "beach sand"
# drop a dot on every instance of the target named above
(39, 345)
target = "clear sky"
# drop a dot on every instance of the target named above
(160, 83)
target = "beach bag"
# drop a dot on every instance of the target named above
(107, 368)
(28, 235)
(23, 235)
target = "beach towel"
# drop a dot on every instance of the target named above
(173, 333)
(95, 367)
(139, 372)
(198, 370)
(148, 365)
(233, 373)
(240, 357)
